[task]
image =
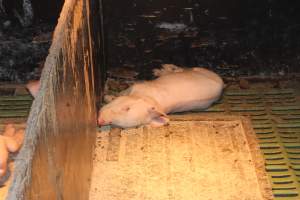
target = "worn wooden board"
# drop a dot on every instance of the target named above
(193, 158)
(56, 158)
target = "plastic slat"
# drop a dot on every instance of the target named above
(279, 142)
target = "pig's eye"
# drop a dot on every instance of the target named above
(126, 108)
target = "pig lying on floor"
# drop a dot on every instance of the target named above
(150, 102)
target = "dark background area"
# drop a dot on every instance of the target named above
(233, 37)
(45, 10)
(23, 50)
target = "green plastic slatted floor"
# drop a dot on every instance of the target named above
(276, 119)
(14, 106)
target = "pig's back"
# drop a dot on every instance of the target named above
(181, 91)
(196, 79)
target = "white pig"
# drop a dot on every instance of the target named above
(33, 87)
(150, 101)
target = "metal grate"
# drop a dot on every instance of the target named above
(14, 104)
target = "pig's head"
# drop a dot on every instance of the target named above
(131, 111)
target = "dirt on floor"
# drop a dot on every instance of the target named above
(195, 158)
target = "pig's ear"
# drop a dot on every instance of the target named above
(159, 121)
(154, 111)
(158, 118)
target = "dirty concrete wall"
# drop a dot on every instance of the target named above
(56, 159)
(48, 10)
(233, 37)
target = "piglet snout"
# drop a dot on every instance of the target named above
(101, 122)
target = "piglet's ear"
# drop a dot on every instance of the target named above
(158, 118)
(156, 112)
(159, 121)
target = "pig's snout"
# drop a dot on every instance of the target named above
(101, 122)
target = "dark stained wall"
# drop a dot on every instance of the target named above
(233, 37)
(47, 10)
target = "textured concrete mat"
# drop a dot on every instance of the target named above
(193, 159)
